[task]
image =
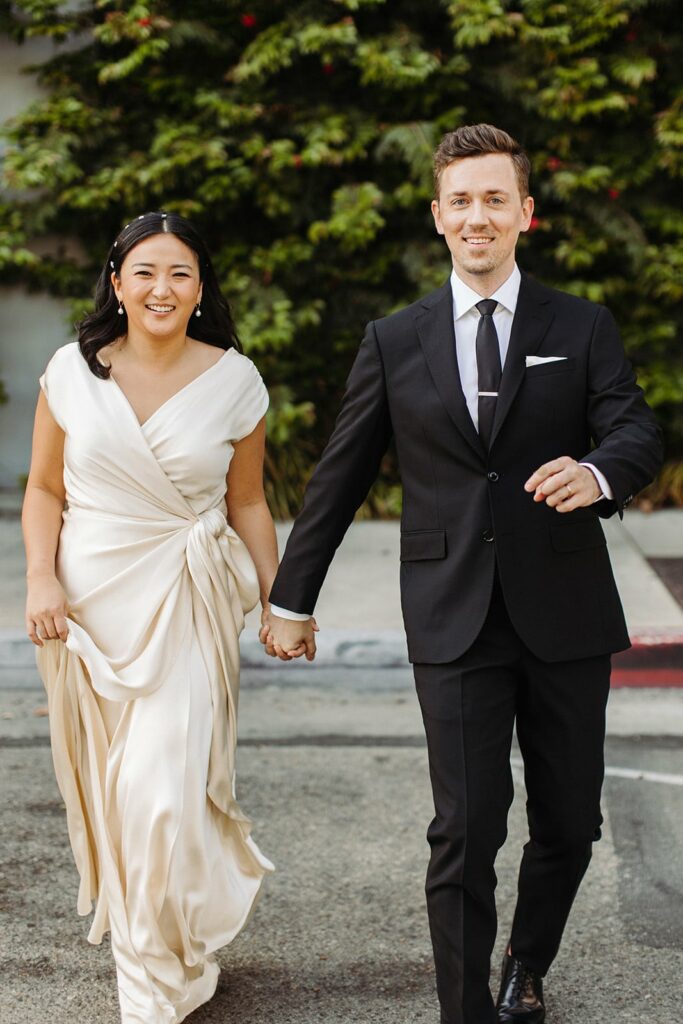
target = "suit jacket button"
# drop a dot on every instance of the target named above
(493, 476)
(487, 535)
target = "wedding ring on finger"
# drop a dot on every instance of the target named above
(569, 491)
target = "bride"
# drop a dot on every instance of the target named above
(148, 537)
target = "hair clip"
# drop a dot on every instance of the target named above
(116, 243)
(111, 264)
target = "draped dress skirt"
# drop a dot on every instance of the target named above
(143, 695)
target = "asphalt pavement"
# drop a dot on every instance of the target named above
(332, 769)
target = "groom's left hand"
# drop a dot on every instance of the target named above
(288, 638)
(564, 484)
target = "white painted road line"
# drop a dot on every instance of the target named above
(634, 773)
(628, 773)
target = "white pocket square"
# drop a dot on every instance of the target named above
(537, 360)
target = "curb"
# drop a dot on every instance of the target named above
(654, 660)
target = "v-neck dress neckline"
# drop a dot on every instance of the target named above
(176, 394)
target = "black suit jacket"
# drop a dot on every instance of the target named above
(464, 509)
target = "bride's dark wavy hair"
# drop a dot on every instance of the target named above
(216, 325)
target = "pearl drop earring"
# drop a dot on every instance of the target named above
(197, 311)
(120, 309)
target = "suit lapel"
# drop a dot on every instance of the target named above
(533, 317)
(436, 331)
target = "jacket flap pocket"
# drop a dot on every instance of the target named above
(418, 545)
(568, 536)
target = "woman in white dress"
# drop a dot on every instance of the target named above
(148, 538)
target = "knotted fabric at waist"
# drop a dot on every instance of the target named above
(212, 543)
(212, 521)
(176, 560)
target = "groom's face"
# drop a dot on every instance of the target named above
(481, 213)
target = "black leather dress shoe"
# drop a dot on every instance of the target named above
(521, 994)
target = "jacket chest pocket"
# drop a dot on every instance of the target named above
(550, 393)
(555, 369)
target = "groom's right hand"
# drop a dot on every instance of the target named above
(289, 638)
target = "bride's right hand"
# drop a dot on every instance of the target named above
(46, 609)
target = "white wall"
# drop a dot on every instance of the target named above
(31, 326)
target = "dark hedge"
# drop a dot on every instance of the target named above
(298, 136)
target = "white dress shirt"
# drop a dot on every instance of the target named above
(466, 317)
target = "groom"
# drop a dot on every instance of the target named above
(518, 424)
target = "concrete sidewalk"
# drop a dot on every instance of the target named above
(359, 608)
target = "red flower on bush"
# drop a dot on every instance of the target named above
(553, 163)
(631, 36)
(534, 224)
(249, 20)
(328, 68)
(145, 22)
(613, 193)
(297, 161)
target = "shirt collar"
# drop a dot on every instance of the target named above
(465, 298)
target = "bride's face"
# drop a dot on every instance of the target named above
(159, 285)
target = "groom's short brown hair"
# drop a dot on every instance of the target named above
(478, 140)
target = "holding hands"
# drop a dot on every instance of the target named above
(564, 484)
(287, 638)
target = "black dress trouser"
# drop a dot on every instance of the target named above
(469, 707)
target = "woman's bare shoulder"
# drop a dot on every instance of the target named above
(204, 353)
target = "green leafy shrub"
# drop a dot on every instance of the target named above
(298, 136)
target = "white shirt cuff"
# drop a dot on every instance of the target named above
(284, 613)
(607, 491)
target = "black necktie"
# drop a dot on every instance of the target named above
(489, 370)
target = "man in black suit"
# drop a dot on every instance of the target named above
(518, 424)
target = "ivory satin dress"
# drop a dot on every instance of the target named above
(143, 695)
